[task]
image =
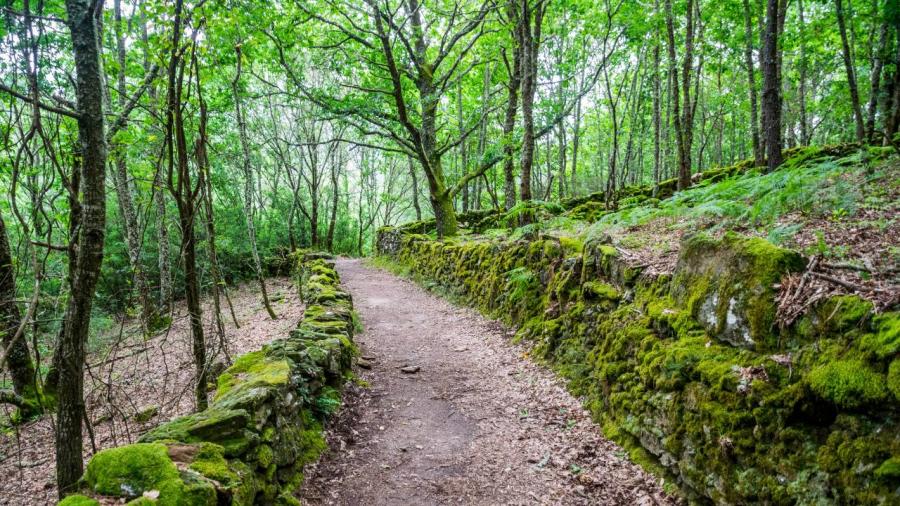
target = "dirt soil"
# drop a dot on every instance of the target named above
(478, 423)
(131, 374)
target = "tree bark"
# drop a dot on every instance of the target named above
(335, 176)
(512, 103)
(248, 184)
(877, 65)
(124, 193)
(415, 189)
(656, 105)
(851, 74)
(679, 116)
(89, 249)
(530, 41)
(159, 201)
(18, 358)
(772, 87)
(804, 119)
(758, 155)
(184, 193)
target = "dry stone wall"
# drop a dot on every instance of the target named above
(689, 371)
(263, 424)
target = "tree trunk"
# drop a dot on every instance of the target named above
(758, 155)
(463, 152)
(184, 193)
(335, 176)
(512, 104)
(656, 106)
(877, 65)
(530, 41)
(123, 191)
(248, 185)
(804, 120)
(576, 141)
(207, 201)
(18, 358)
(159, 201)
(851, 74)
(415, 189)
(89, 249)
(772, 88)
(681, 137)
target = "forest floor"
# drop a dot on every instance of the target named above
(477, 423)
(129, 375)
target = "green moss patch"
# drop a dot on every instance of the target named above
(848, 383)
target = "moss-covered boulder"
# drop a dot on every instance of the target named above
(132, 470)
(729, 286)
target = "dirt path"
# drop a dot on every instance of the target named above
(478, 424)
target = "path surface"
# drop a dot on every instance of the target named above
(478, 424)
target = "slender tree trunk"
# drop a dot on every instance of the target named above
(530, 40)
(877, 65)
(576, 141)
(772, 88)
(804, 120)
(12, 342)
(335, 176)
(463, 152)
(123, 190)
(415, 189)
(758, 155)
(512, 104)
(656, 106)
(851, 74)
(184, 193)
(248, 185)
(159, 201)
(89, 250)
(207, 201)
(681, 137)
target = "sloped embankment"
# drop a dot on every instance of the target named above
(689, 370)
(264, 423)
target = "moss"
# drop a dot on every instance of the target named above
(600, 291)
(78, 500)
(893, 378)
(264, 455)
(884, 341)
(129, 471)
(227, 427)
(252, 370)
(312, 444)
(210, 462)
(728, 286)
(889, 469)
(848, 384)
(571, 245)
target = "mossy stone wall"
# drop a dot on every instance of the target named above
(263, 425)
(688, 371)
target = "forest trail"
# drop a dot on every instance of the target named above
(477, 424)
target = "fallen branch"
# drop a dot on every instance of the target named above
(845, 266)
(846, 284)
